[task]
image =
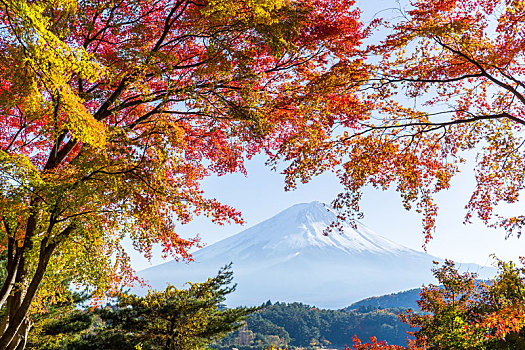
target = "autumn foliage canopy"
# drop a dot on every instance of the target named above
(446, 85)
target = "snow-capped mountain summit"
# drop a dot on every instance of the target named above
(288, 258)
(295, 230)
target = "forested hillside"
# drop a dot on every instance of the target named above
(406, 299)
(299, 325)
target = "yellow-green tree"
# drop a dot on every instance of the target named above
(465, 313)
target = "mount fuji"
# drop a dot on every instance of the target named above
(287, 258)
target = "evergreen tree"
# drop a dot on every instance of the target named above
(171, 319)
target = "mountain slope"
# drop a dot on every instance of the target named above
(405, 300)
(287, 258)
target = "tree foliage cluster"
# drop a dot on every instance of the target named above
(465, 313)
(299, 325)
(446, 84)
(173, 319)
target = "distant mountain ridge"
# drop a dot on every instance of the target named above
(405, 300)
(287, 258)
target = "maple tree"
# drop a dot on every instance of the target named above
(465, 313)
(449, 311)
(447, 81)
(462, 312)
(112, 112)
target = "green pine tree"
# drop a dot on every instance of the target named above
(181, 319)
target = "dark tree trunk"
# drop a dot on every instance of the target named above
(18, 306)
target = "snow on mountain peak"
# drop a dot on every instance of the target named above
(306, 212)
(300, 227)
